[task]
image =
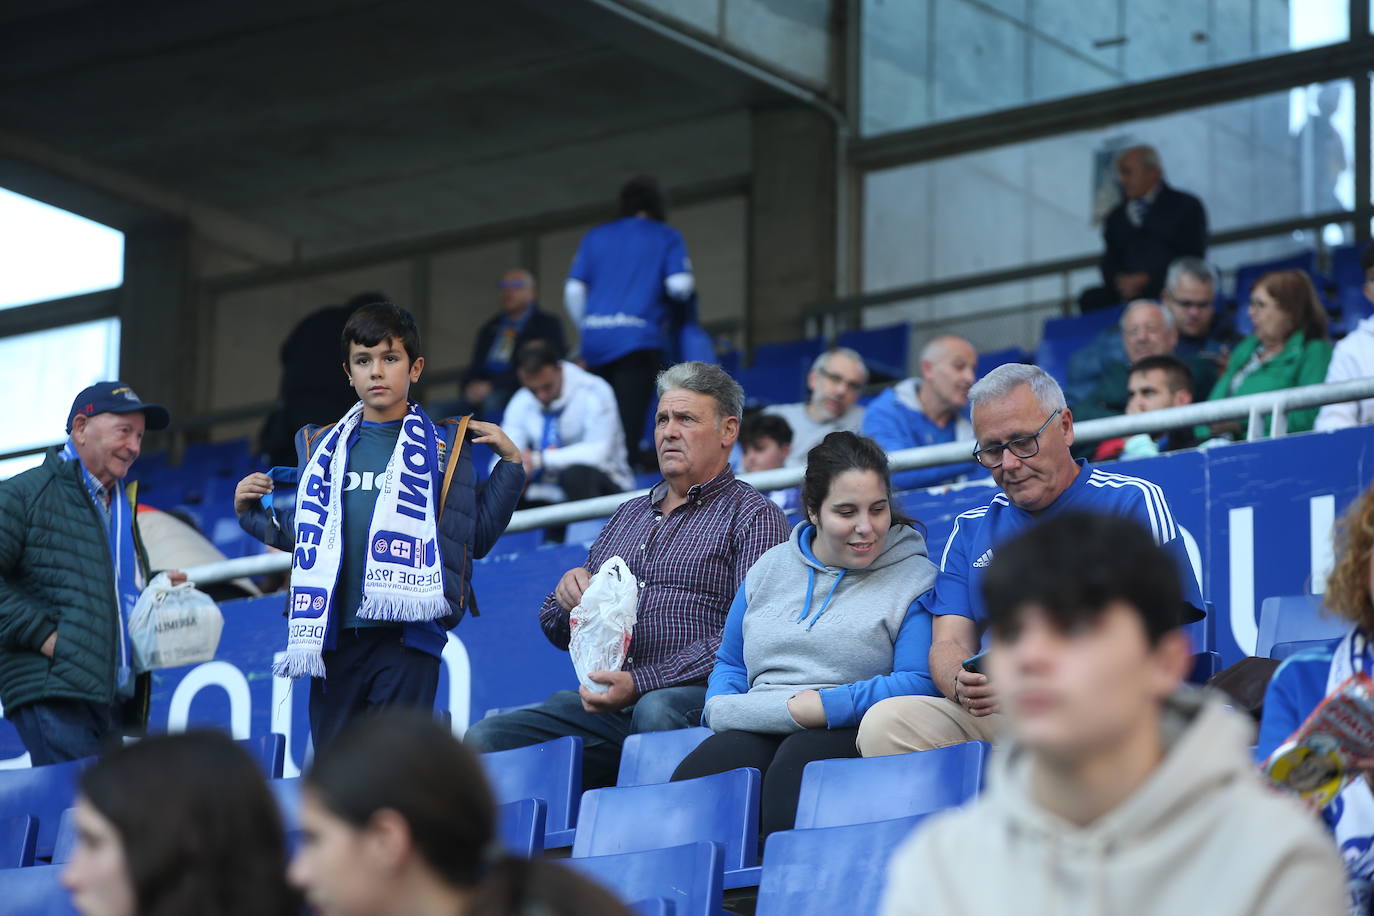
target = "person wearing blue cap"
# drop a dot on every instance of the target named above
(72, 566)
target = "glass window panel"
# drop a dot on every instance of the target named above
(924, 61)
(47, 253)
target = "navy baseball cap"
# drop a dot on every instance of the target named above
(116, 397)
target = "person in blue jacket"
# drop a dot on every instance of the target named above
(1307, 677)
(825, 625)
(383, 527)
(929, 410)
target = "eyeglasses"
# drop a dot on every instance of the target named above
(832, 377)
(990, 456)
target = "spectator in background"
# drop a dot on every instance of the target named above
(1288, 348)
(1190, 293)
(1156, 383)
(565, 422)
(1353, 358)
(931, 409)
(178, 824)
(1308, 676)
(398, 819)
(689, 543)
(766, 440)
(1146, 232)
(836, 379)
(1024, 435)
(1147, 329)
(792, 679)
(490, 380)
(1122, 791)
(628, 278)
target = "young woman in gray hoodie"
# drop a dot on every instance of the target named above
(825, 625)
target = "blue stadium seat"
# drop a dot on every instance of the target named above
(1060, 338)
(991, 360)
(859, 790)
(1282, 650)
(18, 839)
(829, 869)
(767, 385)
(66, 837)
(1205, 664)
(44, 792)
(688, 876)
(35, 891)
(1295, 618)
(551, 771)
(1247, 274)
(789, 355)
(884, 349)
(656, 906)
(518, 541)
(651, 757)
(585, 531)
(1345, 266)
(287, 792)
(520, 824)
(721, 808)
(268, 751)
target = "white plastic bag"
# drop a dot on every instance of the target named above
(173, 625)
(603, 622)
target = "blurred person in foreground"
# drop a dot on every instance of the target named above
(1122, 790)
(397, 819)
(175, 825)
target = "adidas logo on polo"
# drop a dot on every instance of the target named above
(984, 560)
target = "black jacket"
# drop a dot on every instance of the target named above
(1175, 225)
(540, 326)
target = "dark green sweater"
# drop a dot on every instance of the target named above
(56, 574)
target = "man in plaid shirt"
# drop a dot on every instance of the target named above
(689, 544)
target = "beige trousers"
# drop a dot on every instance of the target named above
(900, 725)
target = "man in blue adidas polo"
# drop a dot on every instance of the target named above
(1024, 433)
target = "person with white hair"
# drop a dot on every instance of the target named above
(835, 381)
(1024, 433)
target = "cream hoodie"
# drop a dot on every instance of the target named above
(1202, 835)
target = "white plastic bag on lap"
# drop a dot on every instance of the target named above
(603, 622)
(173, 625)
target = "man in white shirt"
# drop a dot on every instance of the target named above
(836, 379)
(567, 426)
(1353, 358)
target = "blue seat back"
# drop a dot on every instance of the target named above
(18, 839)
(44, 792)
(1247, 274)
(829, 869)
(1061, 338)
(35, 890)
(66, 837)
(520, 824)
(287, 792)
(991, 360)
(551, 771)
(651, 757)
(690, 876)
(1295, 618)
(884, 349)
(721, 808)
(788, 355)
(269, 751)
(656, 906)
(1282, 650)
(859, 790)
(768, 385)
(1345, 266)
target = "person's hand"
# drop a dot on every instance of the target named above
(176, 576)
(495, 437)
(49, 645)
(571, 586)
(806, 709)
(477, 391)
(973, 693)
(250, 491)
(621, 692)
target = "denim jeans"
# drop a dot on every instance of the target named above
(54, 731)
(602, 734)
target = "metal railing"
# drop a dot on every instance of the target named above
(1252, 408)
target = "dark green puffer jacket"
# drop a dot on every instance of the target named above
(56, 574)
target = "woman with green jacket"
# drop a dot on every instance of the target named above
(1288, 348)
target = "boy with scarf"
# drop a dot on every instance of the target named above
(386, 520)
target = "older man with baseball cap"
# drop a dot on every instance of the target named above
(71, 569)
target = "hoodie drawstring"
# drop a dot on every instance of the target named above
(810, 593)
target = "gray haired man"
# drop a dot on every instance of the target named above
(836, 379)
(688, 543)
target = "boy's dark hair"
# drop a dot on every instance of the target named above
(1075, 564)
(535, 355)
(641, 194)
(1367, 260)
(761, 425)
(378, 321)
(845, 451)
(1176, 370)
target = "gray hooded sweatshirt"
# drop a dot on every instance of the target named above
(1201, 835)
(797, 624)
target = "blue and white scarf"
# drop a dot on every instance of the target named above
(403, 575)
(1351, 813)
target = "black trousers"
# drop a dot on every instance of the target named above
(369, 669)
(781, 759)
(632, 379)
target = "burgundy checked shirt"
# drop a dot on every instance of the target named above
(689, 565)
